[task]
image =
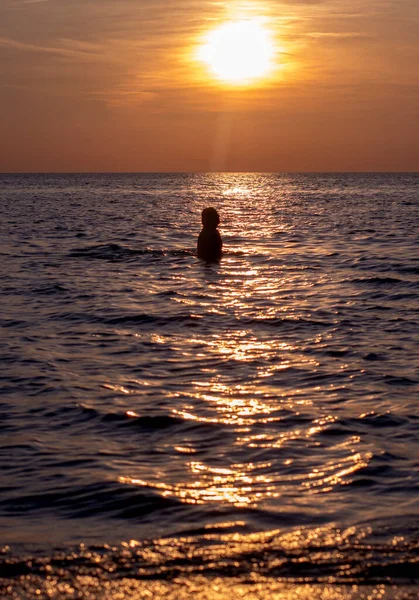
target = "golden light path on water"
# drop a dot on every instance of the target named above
(249, 409)
(157, 577)
(199, 588)
(255, 412)
(241, 487)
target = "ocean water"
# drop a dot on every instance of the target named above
(251, 421)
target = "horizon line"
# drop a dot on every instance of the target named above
(207, 172)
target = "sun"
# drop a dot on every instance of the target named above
(238, 52)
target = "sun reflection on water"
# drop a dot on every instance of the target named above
(248, 484)
(257, 387)
(238, 485)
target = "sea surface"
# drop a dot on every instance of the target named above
(163, 419)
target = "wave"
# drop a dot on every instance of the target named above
(385, 280)
(308, 555)
(187, 319)
(150, 422)
(131, 319)
(152, 319)
(64, 417)
(106, 499)
(118, 252)
(49, 289)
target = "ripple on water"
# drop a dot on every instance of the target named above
(148, 395)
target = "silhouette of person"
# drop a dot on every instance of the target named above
(210, 244)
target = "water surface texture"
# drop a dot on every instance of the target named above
(254, 416)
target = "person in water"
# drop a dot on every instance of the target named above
(209, 241)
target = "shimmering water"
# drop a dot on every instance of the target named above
(253, 417)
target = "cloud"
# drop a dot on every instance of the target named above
(74, 49)
(337, 35)
(33, 1)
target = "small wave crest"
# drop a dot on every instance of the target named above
(109, 499)
(308, 555)
(118, 252)
(131, 420)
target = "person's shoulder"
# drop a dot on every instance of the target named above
(203, 236)
(217, 236)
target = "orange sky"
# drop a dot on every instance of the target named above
(114, 85)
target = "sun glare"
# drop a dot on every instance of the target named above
(238, 52)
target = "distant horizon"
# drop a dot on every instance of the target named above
(208, 172)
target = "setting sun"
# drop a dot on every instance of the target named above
(238, 52)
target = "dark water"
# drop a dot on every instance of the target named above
(260, 413)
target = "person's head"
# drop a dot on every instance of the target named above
(210, 218)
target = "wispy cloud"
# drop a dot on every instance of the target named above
(33, 1)
(336, 35)
(69, 48)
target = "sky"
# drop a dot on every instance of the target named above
(116, 85)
